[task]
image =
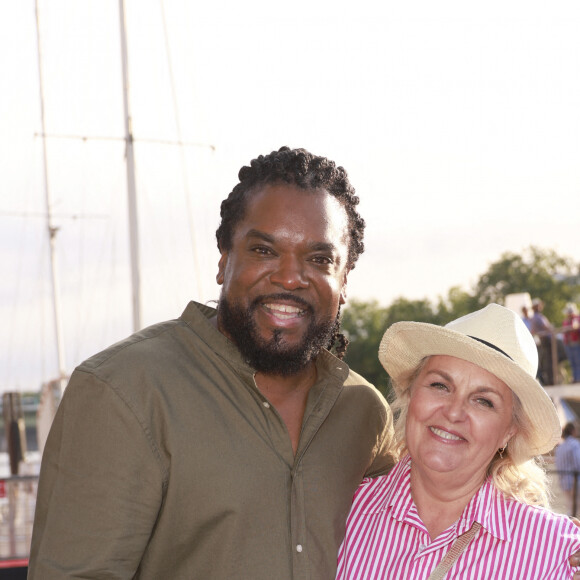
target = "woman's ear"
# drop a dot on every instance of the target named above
(512, 431)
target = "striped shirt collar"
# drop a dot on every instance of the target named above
(393, 493)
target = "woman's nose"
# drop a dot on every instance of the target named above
(456, 408)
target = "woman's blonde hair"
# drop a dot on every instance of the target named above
(515, 474)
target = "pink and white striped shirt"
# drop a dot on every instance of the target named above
(386, 539)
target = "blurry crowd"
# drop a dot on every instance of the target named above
(555, 345)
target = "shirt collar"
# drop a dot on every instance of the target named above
(487, 507)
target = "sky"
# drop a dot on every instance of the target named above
(458, 123)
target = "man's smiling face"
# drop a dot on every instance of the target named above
(284, 277)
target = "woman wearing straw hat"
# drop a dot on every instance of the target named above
(468, 497)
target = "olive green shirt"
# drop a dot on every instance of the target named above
(165, 462)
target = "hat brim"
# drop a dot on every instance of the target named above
(406, 344)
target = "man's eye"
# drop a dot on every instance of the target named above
(322, 260)
(261, 250)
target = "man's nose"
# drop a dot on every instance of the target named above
(289, 273)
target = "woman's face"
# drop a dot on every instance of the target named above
(459, 416)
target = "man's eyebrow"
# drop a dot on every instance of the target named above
(260, 235)
(313, 246)
(323, 247)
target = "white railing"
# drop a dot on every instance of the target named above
(17, 503)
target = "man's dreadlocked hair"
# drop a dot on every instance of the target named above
(306, 171)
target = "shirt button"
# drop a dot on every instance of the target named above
(266, 404)
(299, 548)
(421, 547)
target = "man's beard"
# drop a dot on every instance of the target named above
(273, 356)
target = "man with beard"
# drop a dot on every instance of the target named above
(225, 444)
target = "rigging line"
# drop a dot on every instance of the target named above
(51, 230)
(44, 215)
(10, 323)
(81, 286)
(132, 206)
(182, 155)
(178, 143)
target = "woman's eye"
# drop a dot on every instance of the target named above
(438, 386)
(485, 402)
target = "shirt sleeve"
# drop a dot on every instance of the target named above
(575, 452)
(384, 456)
(100, 488)
(562, 572)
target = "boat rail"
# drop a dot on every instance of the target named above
(17, 503)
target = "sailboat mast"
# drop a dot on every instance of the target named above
(131, 189)
(51, 228)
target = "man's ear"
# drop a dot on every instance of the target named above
(222, 268)
(342, 299)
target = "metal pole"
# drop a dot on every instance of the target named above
(52, 229)
(554, 357)
(131, 189)
(575, 494)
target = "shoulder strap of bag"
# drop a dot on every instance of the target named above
(456, 550)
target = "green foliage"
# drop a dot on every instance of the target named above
(417, 310)
(541, 273)
(364, 324)
(457, 303)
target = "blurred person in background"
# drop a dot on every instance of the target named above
(571, 332)
(567, 456)
(543, 330)
(527, 318)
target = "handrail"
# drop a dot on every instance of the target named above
(17, 505)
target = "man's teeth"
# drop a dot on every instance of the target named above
(284, 310)
(445, 434)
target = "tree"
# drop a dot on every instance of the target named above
(542, 273)
(457, 303)
(417, 310)
(364, 324)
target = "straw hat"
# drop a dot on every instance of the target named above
(493, 338)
